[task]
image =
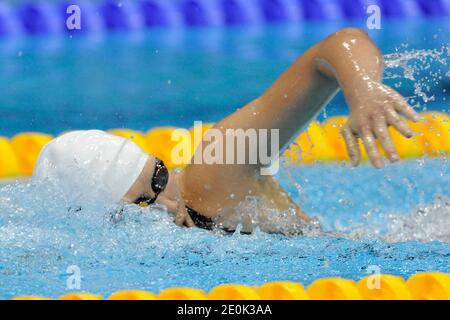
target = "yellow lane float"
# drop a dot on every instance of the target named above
(282, 290)
(30, 298)
(160, 143)
(425, 285)
(132, 295)
(80, 296)
(9, 165)
(334, 289)
(311, 145)
(175, 146)
(437, 132)
(332, 128)
(27, 146)
(233, 292)
(407, 148)
(384, 287)
(182, 294)
(430, 286)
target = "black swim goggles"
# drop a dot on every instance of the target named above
(158, 183)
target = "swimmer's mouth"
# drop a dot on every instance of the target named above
(158, 183)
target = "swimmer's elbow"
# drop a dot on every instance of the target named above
(347, 45)
(344, 40)
(350, 31)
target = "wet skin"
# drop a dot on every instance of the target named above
(346, 60)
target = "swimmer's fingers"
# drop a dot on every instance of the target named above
(382, 134)
(183, 219)
(404, 108)
(352, 145)
(179, 220)
(371, 147)
(188, 222)
(397, 122)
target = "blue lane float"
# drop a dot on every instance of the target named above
(114, 16)
(33, 19)
(273, 10)
(4, 28)
(194, 13)
(42, 17)
(433, 8)
(90, 21)
(153, 14)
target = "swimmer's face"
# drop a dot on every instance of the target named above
(150, 184)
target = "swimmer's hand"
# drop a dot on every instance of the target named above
(374, 107)
(354, 62)
(182, 218)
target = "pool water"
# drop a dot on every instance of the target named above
(173, 77)
(396, 219)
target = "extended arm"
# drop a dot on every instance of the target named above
(347, 59)
(354, 62)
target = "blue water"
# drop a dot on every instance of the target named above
(407, 232)
(143, 80)
(397, 219)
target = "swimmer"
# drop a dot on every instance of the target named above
(202, 193)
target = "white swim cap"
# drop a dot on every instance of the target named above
(91, 165)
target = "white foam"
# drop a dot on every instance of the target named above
(426, 223)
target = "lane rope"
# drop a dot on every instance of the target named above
(421, 286)
(320, 142)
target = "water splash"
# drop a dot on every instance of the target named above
(256, 214)
(426, 223)
(426, 69)
(397, 218)
(31, 213)
(142, 247)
